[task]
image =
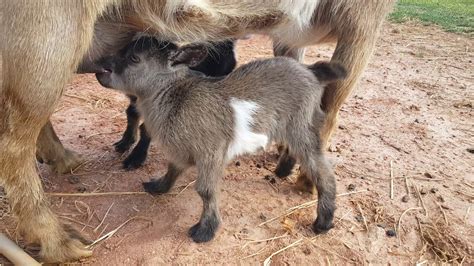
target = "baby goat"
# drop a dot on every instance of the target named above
(219, 62)
(206, 121)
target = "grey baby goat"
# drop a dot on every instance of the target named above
(206, 122)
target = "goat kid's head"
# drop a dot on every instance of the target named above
(145, 61)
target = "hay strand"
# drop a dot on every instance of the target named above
(97, 194)
(391, 179)
(268, 260)
(363, 217)
(111, 233)
(400, 222)
(105, 216)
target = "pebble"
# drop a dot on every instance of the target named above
(391, 233)
(237, 163)
(428, 175)
(405, 198)
(441, 198)
(307, 251)
(423, 191)
(351, 187)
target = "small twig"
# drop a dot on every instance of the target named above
(407, 186)
(264, 240)
(268, 260)
(391, 179)
(421, 200)
(190, 183)
(306, 205)
(393, 145)
(330, 252)
(105, 216)
(400, 222)
(97, 194)
(111, 233)
(77, 97)
(254, 254)
(363, 217)
(467, 214)
(444, 214)
(101, 133)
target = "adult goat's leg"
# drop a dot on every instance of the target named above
(43, 44)
(51, 151)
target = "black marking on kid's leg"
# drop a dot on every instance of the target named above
(139, 154)
(164, 184)
(129, 136)
(285, 165)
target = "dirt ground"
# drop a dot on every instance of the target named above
(411, 115)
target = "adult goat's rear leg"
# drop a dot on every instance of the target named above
(42, 47)
(355, 43)
(51, 151)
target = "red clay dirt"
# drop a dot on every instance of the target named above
(413, 107)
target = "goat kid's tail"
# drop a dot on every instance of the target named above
(328, 72)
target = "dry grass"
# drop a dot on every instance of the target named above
(443, 241)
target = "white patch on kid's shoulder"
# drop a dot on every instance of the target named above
(245, 141)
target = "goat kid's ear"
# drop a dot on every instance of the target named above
(190, 55)
(328, 72)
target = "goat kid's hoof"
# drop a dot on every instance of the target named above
(285, 167)
(123, 145)
(156, 186)
(133, 161)
(321, 227)
(70, 161)
(200, 233)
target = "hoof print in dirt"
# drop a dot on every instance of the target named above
(157, 186)
(201, 233)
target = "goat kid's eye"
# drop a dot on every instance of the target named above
(135, 59)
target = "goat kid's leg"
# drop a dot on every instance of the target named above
(206, 186)
(138, 155)
(130, 135)
(51, 151)
(286, 162)
(165, 183)
(315, 166)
